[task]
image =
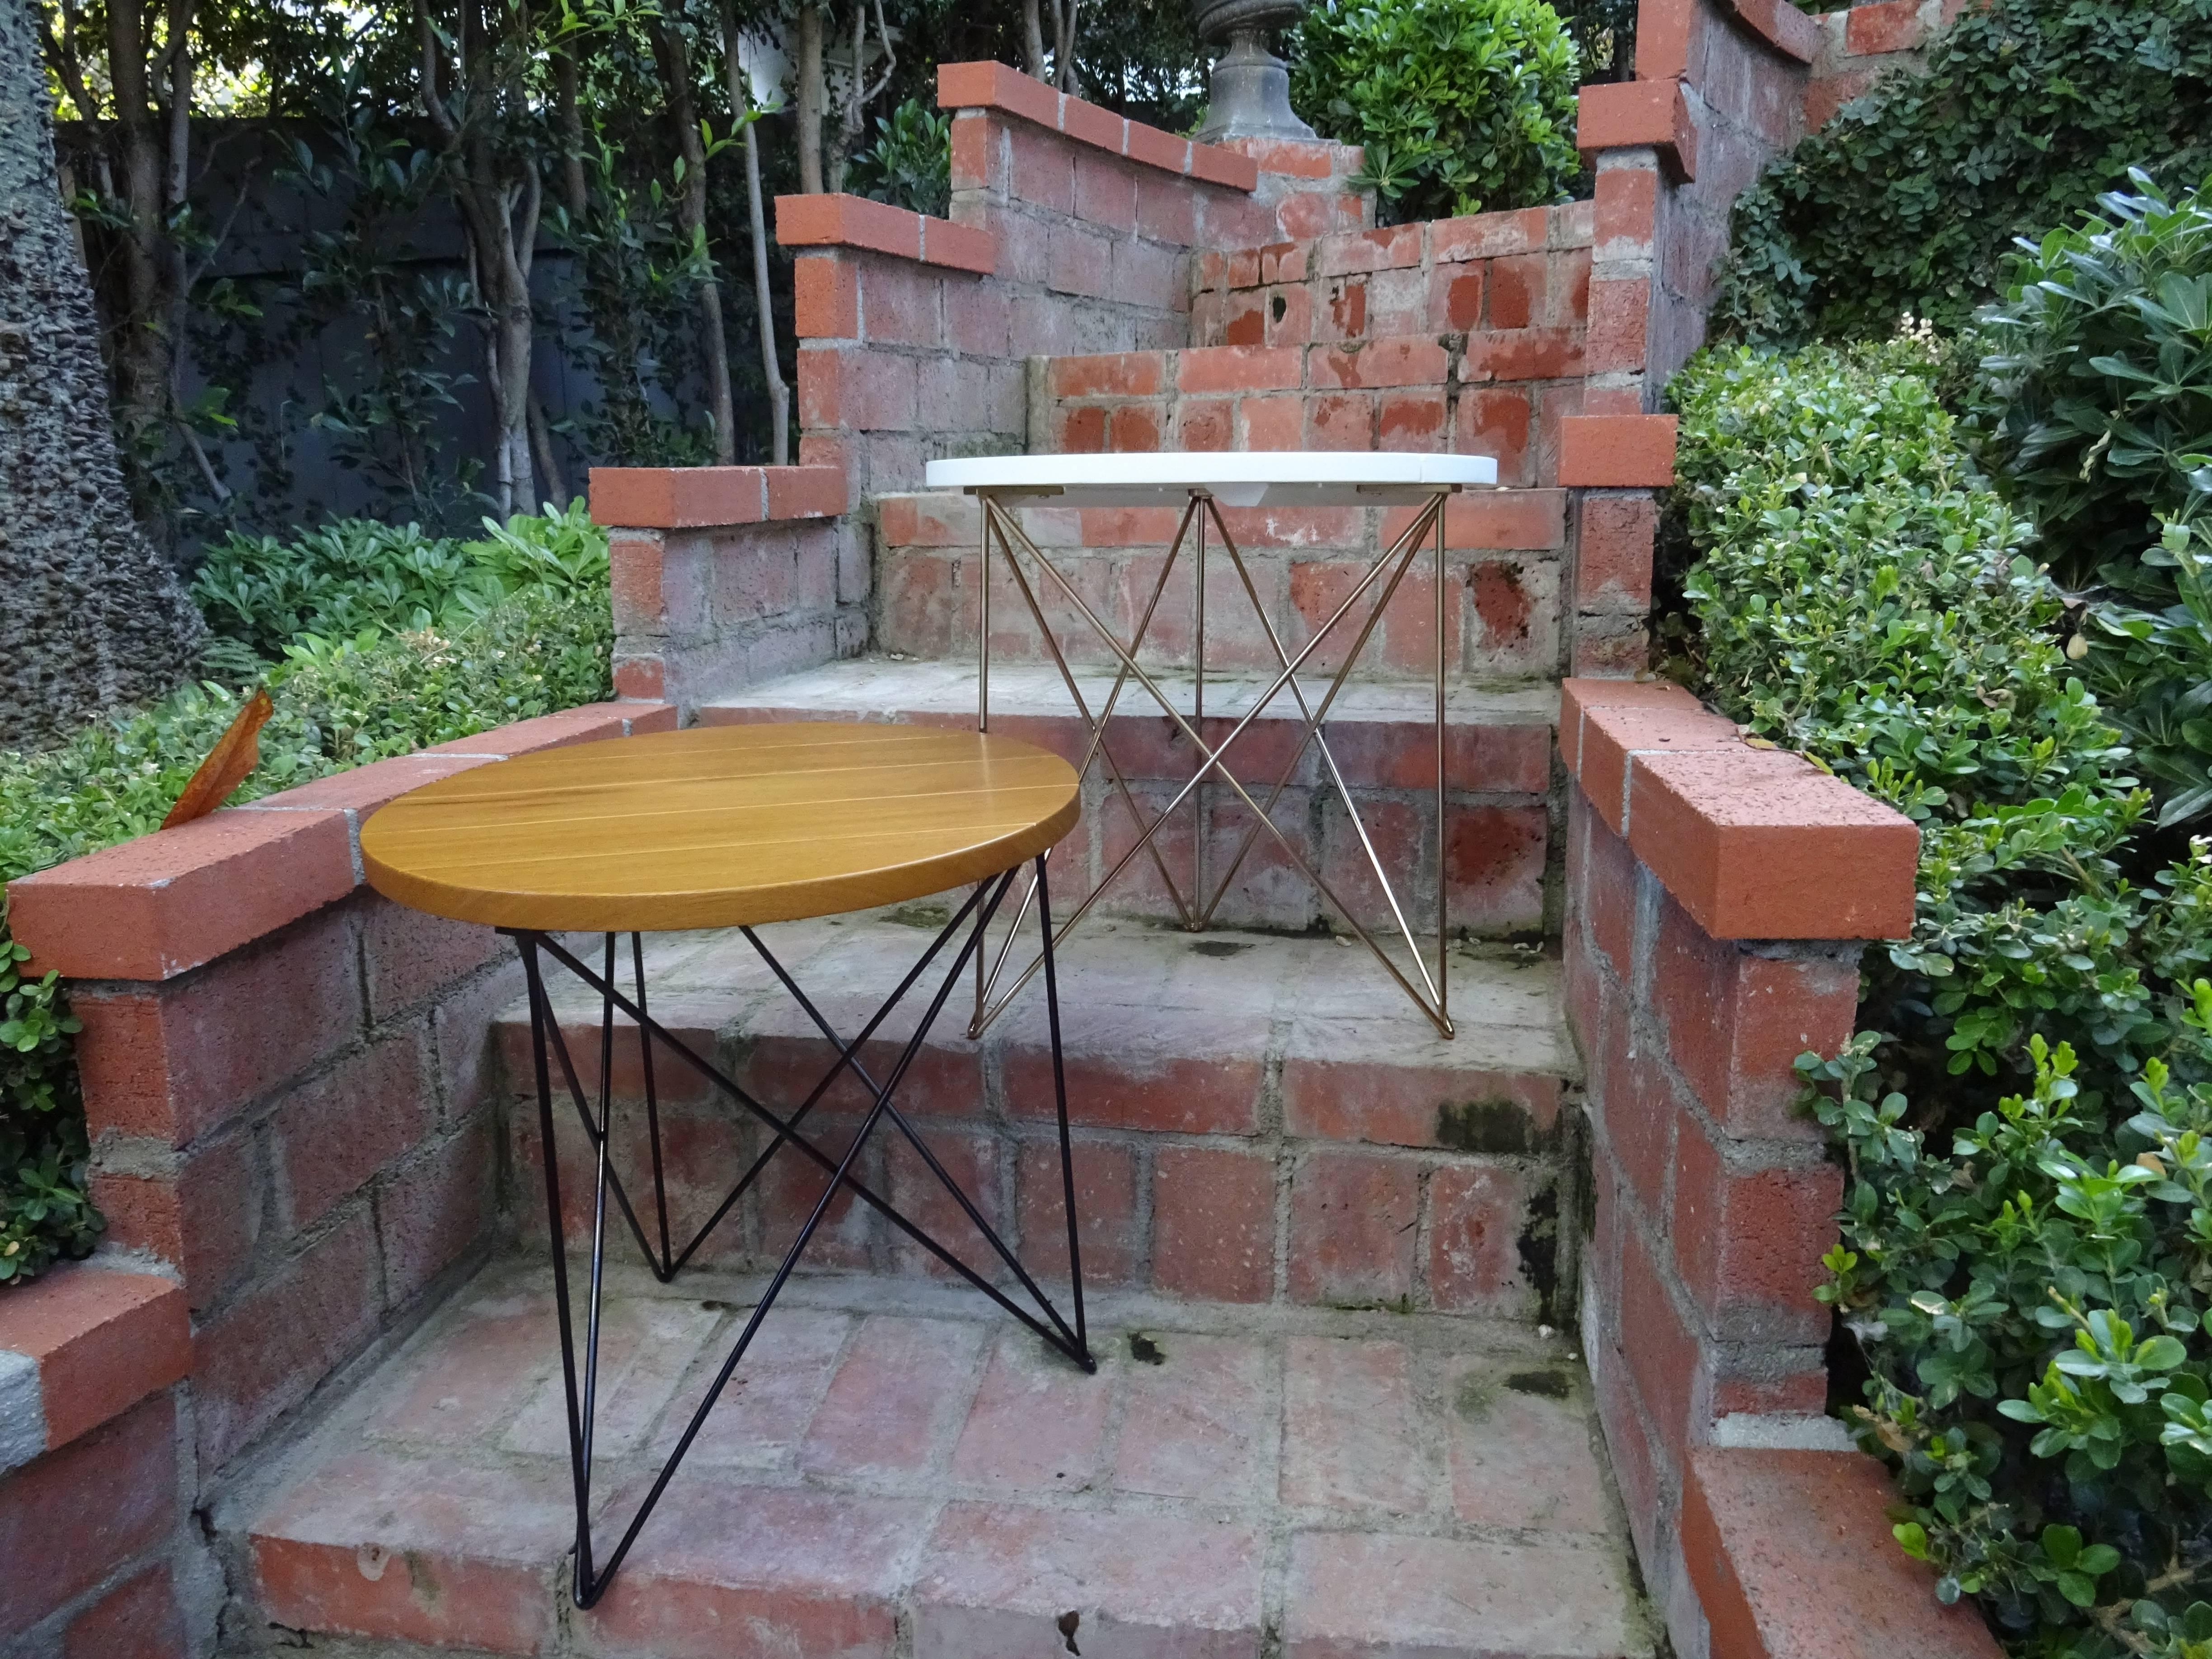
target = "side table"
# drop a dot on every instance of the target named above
(1201, 483)
(734, 827)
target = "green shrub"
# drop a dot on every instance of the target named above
(910, 163)
(1906, 204)
(356, 574)
(2027, 1231)
(1463, 106)
(339, 704)
(2097, 392)
(2093, 405)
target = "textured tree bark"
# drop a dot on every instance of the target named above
(741, 103)
(499, 198)
(1033, 37)
(93, 618)
(675, 64)
(812, 96)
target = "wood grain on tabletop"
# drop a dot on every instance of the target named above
(719, 826)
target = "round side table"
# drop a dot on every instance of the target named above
(735, 826)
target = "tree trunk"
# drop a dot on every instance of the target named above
(1063, 50)
(741, 104)
(1033, 37)
(94, 618)
(142, 341)
(568, 127)
(490, 192)
(676, 74)
(812, 96)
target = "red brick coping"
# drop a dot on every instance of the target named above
(856, 222)
(78, 1348)
(1753, 842)
(1791, 1555)
(159, 906)
(699, 497)
(989, 85)
(1626, 114)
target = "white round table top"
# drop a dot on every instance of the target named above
(1254, 477)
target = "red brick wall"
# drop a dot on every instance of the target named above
(1866, 42)
(723, 576)
(293, 1122)
(295, 1145)
(1716, 895)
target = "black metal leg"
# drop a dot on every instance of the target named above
(549, 1043)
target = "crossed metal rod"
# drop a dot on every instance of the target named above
(581, 1384)
(999, 524)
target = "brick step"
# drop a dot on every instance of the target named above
(1256, 1118)
(1497, 767)
(899, 1470)
(1504, 551)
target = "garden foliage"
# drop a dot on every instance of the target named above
(2027, 1117)
(910, 163)
(392, 687)
(1907, 202)
(1463, 106)
(2094, 406)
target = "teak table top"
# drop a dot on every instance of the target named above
(719, 826)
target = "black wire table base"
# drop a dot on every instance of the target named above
(549, 1046)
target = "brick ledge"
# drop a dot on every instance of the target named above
(835, 220)
(79, 1347)
(1792, 1558)
(1753, 842)
(165, 903)
(989, 85)
(697, 497)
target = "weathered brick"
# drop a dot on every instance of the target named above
(825, 298)
(335, 1132)
(266, 1352)
(1105, 1210)
(1749, 1240)
(434, 1208)
(73, 1516)
(898, 1399)
(153, 908)
(1213, 1224)
(1736, 1023)
(1353, 1432)
(1238, 368)
(1476, 1214)
(372, 1545)
(102, 1341)
(202, 1217)
(172, 1061)
(1353, 1215)
(137, 1620)
(1612, 554)
(992, 1577)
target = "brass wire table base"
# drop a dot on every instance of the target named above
(1196, 911)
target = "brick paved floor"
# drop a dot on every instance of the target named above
(900, 1471)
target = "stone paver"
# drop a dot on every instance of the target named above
(899, 1470)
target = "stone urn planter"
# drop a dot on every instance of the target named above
(1251, 92)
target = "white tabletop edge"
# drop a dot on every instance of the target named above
(1200, 469)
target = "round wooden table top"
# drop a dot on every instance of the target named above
(719, 826)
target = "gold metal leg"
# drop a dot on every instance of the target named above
(1395, 560)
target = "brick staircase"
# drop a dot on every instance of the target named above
(1341, 1411)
